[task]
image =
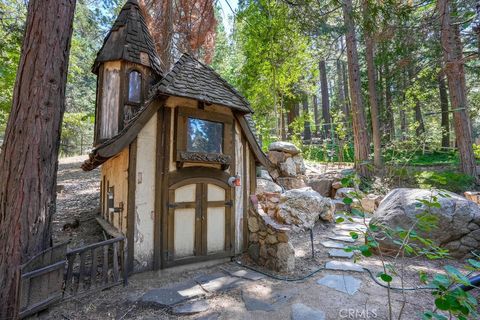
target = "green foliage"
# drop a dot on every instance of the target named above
(12, 23)
(76, 133)
(453, 181)
(328, 152)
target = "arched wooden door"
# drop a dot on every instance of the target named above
(199, 221)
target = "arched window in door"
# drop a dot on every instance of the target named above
(134, 87)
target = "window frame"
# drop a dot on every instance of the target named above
(182, 154)
(128, 101)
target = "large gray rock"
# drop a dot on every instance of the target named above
(285, 257)
(289, 183)
(299, 164)
(301, 208)
(283, 146)
(321, 185)
(267, 186)
(458, 227)
(288, 168)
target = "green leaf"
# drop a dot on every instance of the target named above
(385, 277)
(457, 275)
(442, 304)
(474, 263)
(339, 220)
(347, 200)
(354, 235)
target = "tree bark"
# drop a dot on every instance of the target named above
(372, 92)
(444, 108)
(325, 99)
(307, 133)
(29, 160)
(419, 118)
(345, 91)
(403, 113)
(388, 104)
(454, 71)
(315, 114)
(360, 136)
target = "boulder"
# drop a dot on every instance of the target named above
(299, 164)
(285, 257)
(265, 175)
(289, 183)
(276, 157)
(344, 192)
(370, 202)
(284, 146)
(336, 185)
(288, 168)
(321, 185)
(267, 186)
(301, 208)
(458, 218)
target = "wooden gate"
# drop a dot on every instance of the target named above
(57, 274)
(41, 280)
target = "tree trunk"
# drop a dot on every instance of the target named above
(307, 133)
(444, 107)
(315, 114)
(345, 91)
(341, 91)
(419, 118)
(388, 104)
(454, 71)
(372, 92)
(325, 99)
(360, 136)
(29, 160)
(403, 114)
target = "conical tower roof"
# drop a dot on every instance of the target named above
(129, 40)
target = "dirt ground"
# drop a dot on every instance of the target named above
(79, 200)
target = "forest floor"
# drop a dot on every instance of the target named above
(79, 200)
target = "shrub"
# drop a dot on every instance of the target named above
(450, 180)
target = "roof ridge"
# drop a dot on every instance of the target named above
(225, 82)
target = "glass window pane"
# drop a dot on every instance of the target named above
(134, 86)
(204, 136)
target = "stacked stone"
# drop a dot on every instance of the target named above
(270, 204)
(268, 241)
(289, 167)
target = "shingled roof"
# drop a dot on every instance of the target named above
(129, 37)
(190, 78)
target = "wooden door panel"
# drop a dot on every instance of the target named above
(215, 230)
(184, 233)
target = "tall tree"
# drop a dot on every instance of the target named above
(315, 114)
(326, 130)
(360, 135)
(372, 83)
(445, 122)
(181, 26)
(28, 162)
(455, 73)
(307, 133)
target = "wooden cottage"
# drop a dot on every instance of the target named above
(177, 151)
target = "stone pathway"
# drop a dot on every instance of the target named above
(191, 296)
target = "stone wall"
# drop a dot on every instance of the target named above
(288, 165)
(268, 241)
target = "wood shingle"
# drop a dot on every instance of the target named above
(128, 39)
(190, 78)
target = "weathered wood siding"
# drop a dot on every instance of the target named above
(239, 191)
(115, 174)
(110, 99)
(145, 196)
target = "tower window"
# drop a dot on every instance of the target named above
(134, 87)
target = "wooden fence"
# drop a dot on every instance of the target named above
(58, 273)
